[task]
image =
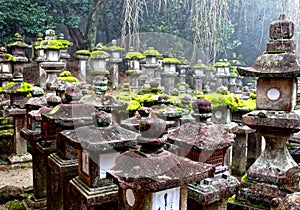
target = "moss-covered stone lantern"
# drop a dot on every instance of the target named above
(275, 118)
(151, 177)
(115, 60)
(169, 74)
(98, 61)
(18, 48)
(134, 69)
(6, 69)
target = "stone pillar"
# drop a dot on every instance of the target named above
(240, 150)
(20, 144)
(115, 59)
(82, 56)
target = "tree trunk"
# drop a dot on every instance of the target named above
(93, 20)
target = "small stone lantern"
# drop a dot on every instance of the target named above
(18, 48)
(6, 61)
(199, 75)
(83, 56)
(153, 178)
(97, 149)
(115, 59)
(64, 55)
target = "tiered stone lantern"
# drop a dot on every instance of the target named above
(97, 149)
(275, 118)
(150, 66)
(134, 69)
(199, 76)
(183, 69)
(151, 177)
(98, 62)
(223, 72)
(169, 74)
(18, 48)
(52, 64)
(115, 59)
(64, 55)
(6, 69)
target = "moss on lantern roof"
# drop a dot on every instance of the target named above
(222, 63)
(171, 60)
(115, 48)
(65, 43)
(231, 100)
(13, 87)
(5, 57)
(99, 54)
(200, 65)
(50, 45)
(152, 52)
(82, 52)
(134, 55)
(20, 44)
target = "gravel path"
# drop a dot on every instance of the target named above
(16, 176)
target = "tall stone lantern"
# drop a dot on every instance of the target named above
(114, 60)
(275, 118)
(98, 61)
(134, 69)
(169, 74)
(82, 56)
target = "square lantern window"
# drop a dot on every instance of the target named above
(276, 93)
(168, 199)
(116, 54)
(6, 68)
(52, 55)
(199, 72)
(221, 70)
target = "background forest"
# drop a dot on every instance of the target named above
(216, 27)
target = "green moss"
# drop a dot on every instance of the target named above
(50, 45)
(133, 105)
(135, 55)
(15, 205)
(130, 72)
(82, 52)
(231, 100)
(65, 43)
(25, 87)
(152, 52)
(201, 66)
(171, 60)
(68, 79)
(115, 48)
(99, 54)
(20, 44)
(65, 74)
(274, 51)
(221, 63)
(5, 57)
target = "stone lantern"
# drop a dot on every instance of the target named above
(18, 48)
(151, 177)
(150, 66)
(83, 56)
(134, 71)
(52, 64)
(64, 55)
(97, 149)
(169, 74)
(275, 119)
(199, 75)
(183, 69)
(6, 71)
(115, 59)
(98, 61)
(207, 143)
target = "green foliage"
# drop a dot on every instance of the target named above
(26, 16)
(15, 205)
